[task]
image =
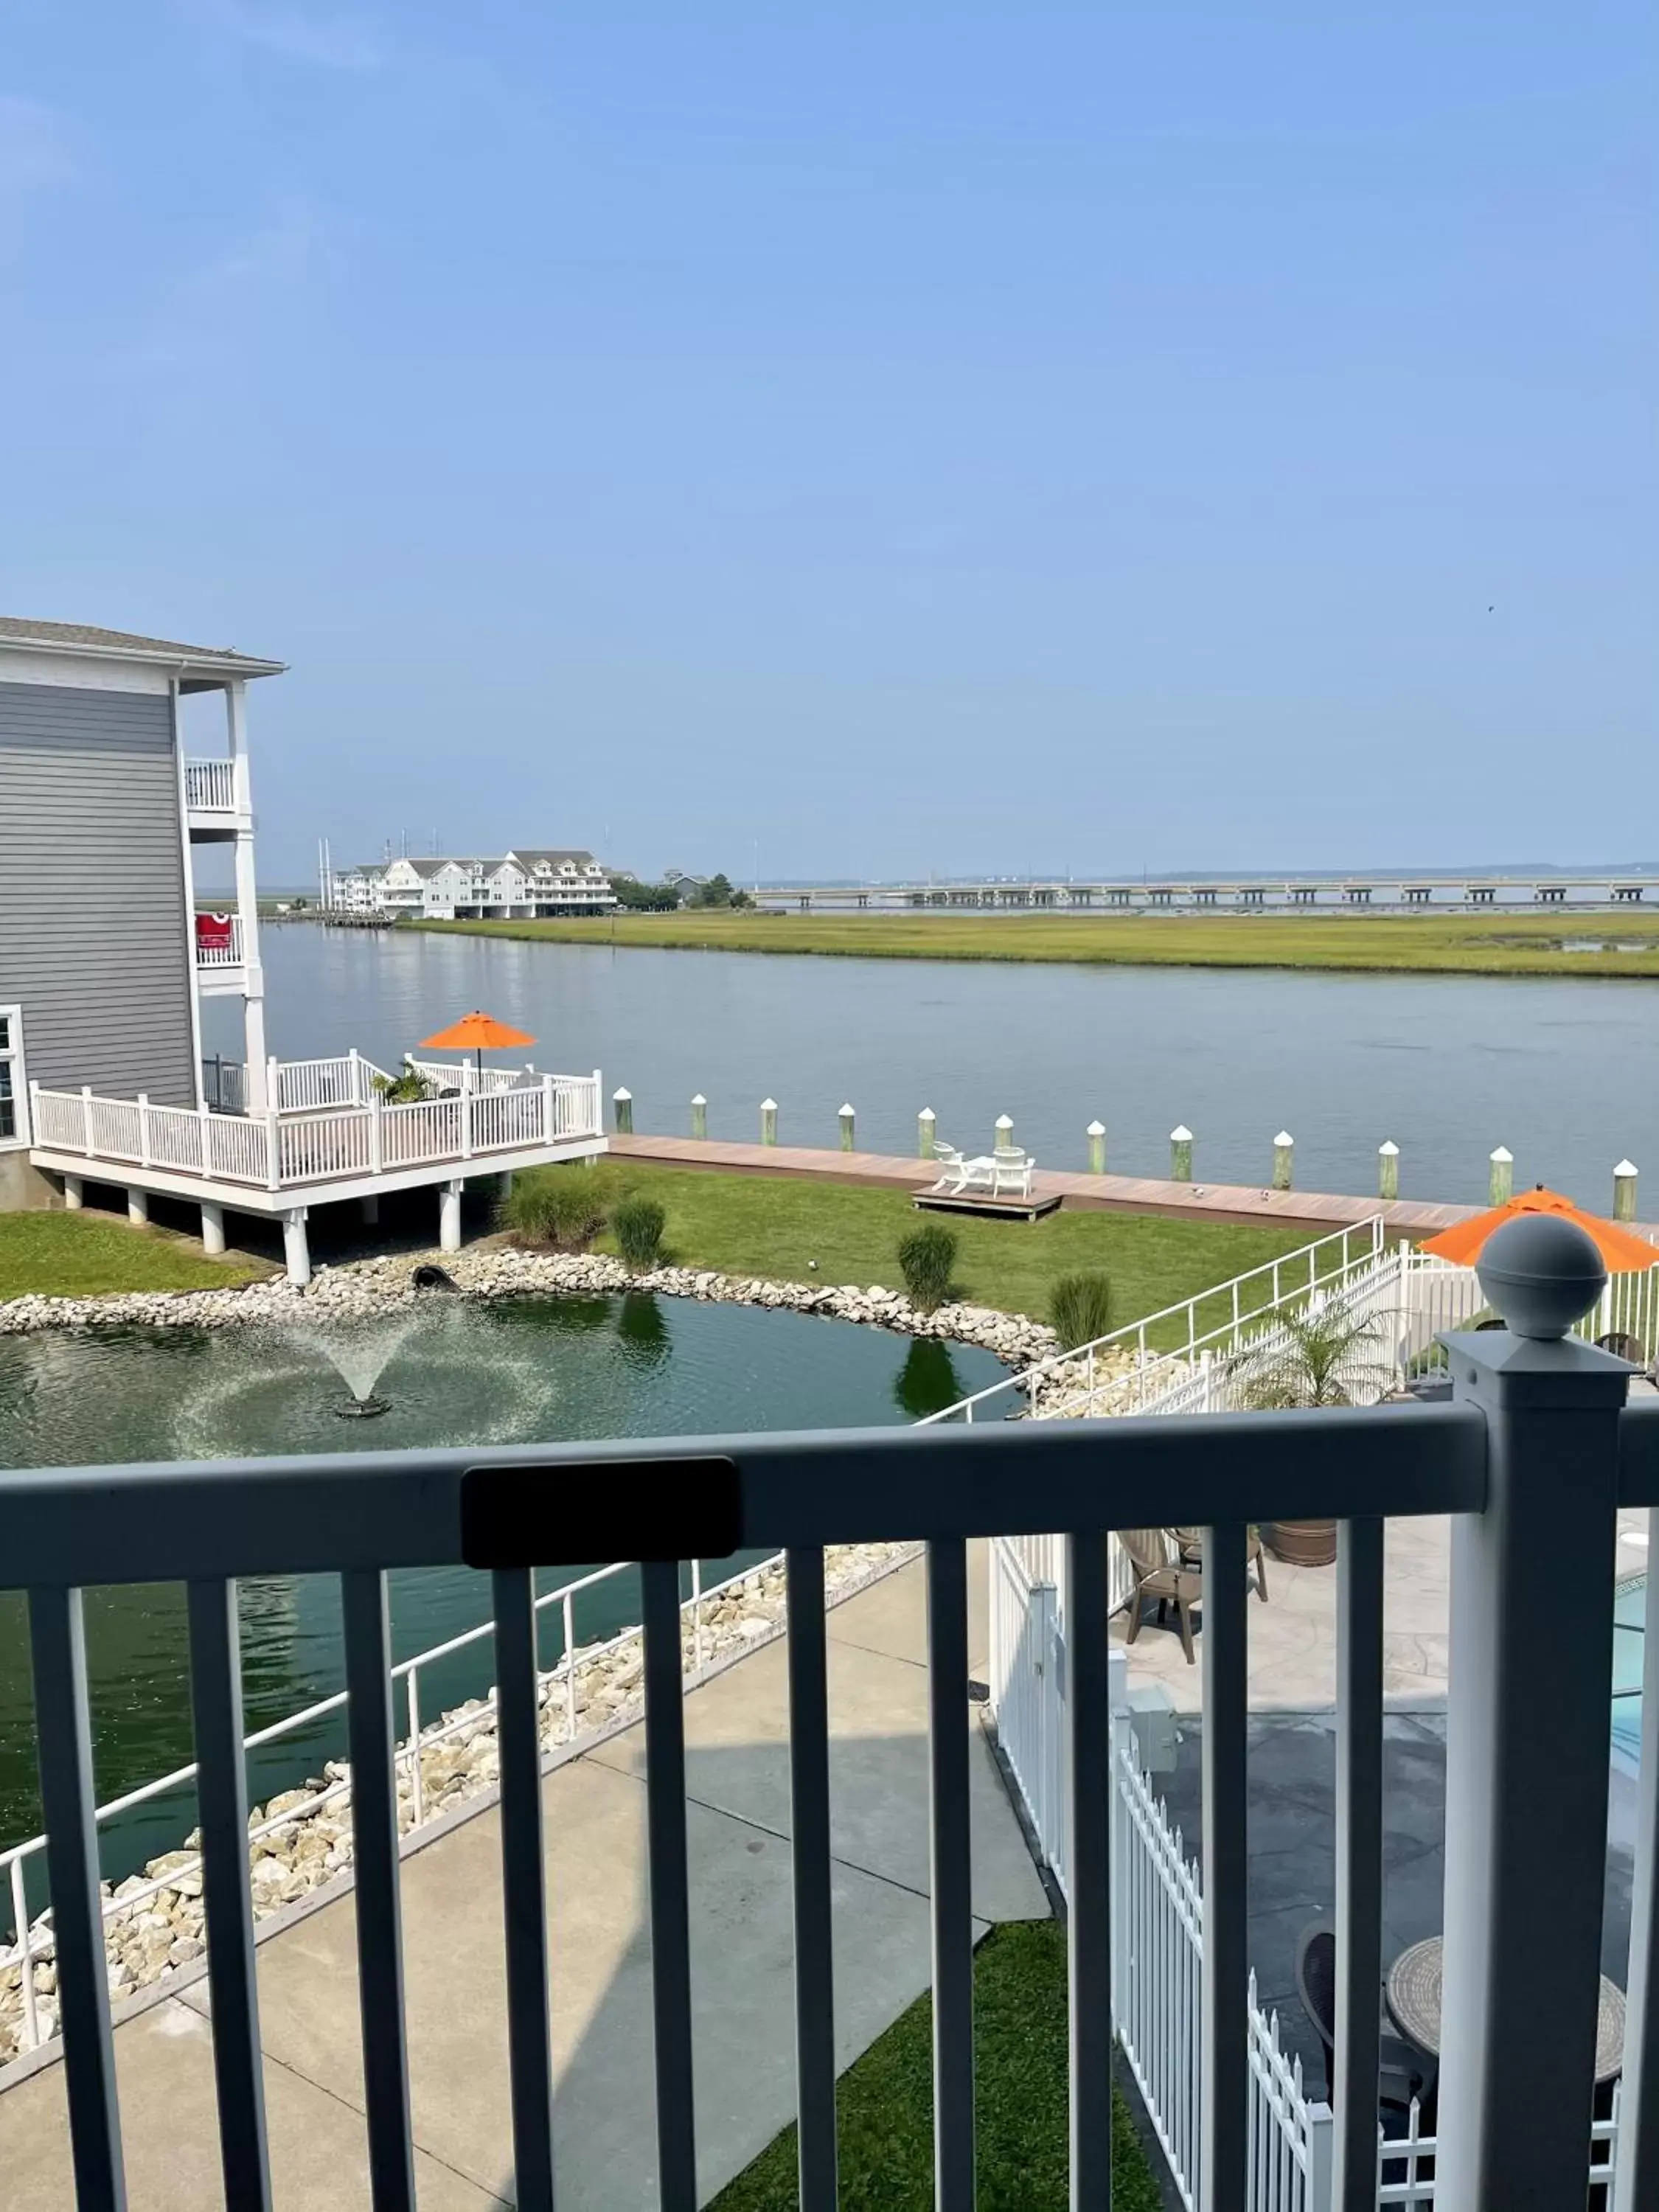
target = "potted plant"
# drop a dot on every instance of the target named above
(1317, 1359)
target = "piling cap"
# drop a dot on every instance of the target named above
(769, 1105)
(1284, 1138)
(1625, 1168)
(1005, 1121)
(1503, 1157)
(1540, 1271)
(1181, 1134)
(1390, 1148)
(1095, 1129)
(620, 1093)
(699, 1100)
(926, 1114)
(846, 1108)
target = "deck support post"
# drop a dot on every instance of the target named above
(137, 1206)
(213, 1227)
(449, 1216)
(296, 1249)
(368, 1206)
(73, 1193)
(1526, 1804)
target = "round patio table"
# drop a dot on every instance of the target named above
(1413, 1995)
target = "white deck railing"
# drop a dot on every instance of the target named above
(210, 786)
(311, 1141)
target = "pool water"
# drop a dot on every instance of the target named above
(1629, 1645)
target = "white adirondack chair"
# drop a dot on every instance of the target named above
(1011, 1170)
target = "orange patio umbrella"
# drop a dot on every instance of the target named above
(478, 1033)
(1465, 1241)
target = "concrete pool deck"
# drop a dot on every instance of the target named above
(1292, 1637)
(737, 1764)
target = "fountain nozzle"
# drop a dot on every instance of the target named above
(363, 1409)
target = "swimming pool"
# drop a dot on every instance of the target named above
(1629, 1604)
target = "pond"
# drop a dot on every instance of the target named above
(533, 1369)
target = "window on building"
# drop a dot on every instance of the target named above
(13, 1089)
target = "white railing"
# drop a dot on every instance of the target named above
(310, 1141)
(221, 951)
(210, 786)
(1130, 1362)
(303, 1085)
(224, 1085)
(466, 1075)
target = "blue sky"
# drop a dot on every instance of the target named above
(886, 438)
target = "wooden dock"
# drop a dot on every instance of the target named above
(1237, 1203)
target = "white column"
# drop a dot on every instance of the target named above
(449, 1217)
(247, 902)
(137, 1206)
(213, 1226)
(295, 1249)
(73, 1194)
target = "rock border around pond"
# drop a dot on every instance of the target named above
(366, 1287)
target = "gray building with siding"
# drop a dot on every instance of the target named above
(98, 967)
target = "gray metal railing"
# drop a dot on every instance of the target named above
(1533, 1455)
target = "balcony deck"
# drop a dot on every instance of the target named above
(738, 1788)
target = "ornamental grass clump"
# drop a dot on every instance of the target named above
(1080, 1308)
(564, 1207)
(927, 1258)
(637, 1226)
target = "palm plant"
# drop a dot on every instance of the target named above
(1317, 1357)
(1316, 1361)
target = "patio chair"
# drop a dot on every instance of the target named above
(1404, 2074)
(1624, 1346)
(958, 1172)
(1159, 1574)
(1191, 1544)
(1011, 1170)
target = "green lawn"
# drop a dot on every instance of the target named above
(777, 1225)
(1426, 943)
(80, 1255)
(884, 2102)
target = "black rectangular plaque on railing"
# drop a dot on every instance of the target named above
(570, 1515)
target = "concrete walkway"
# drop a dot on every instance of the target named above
(737, 1732)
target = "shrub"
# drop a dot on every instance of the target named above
(1080, 1308)
(637, 1226)
(564, 1207)
(926, 1257)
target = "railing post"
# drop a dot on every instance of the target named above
(86, 1119)
(1320, 2137)
(273, 1151)
(357, 1098)
(1623, 1191)
(1526, 1803)
(376, 1132)
(468, 1100)
(549, 1114)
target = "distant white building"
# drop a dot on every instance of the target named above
(527, 884)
